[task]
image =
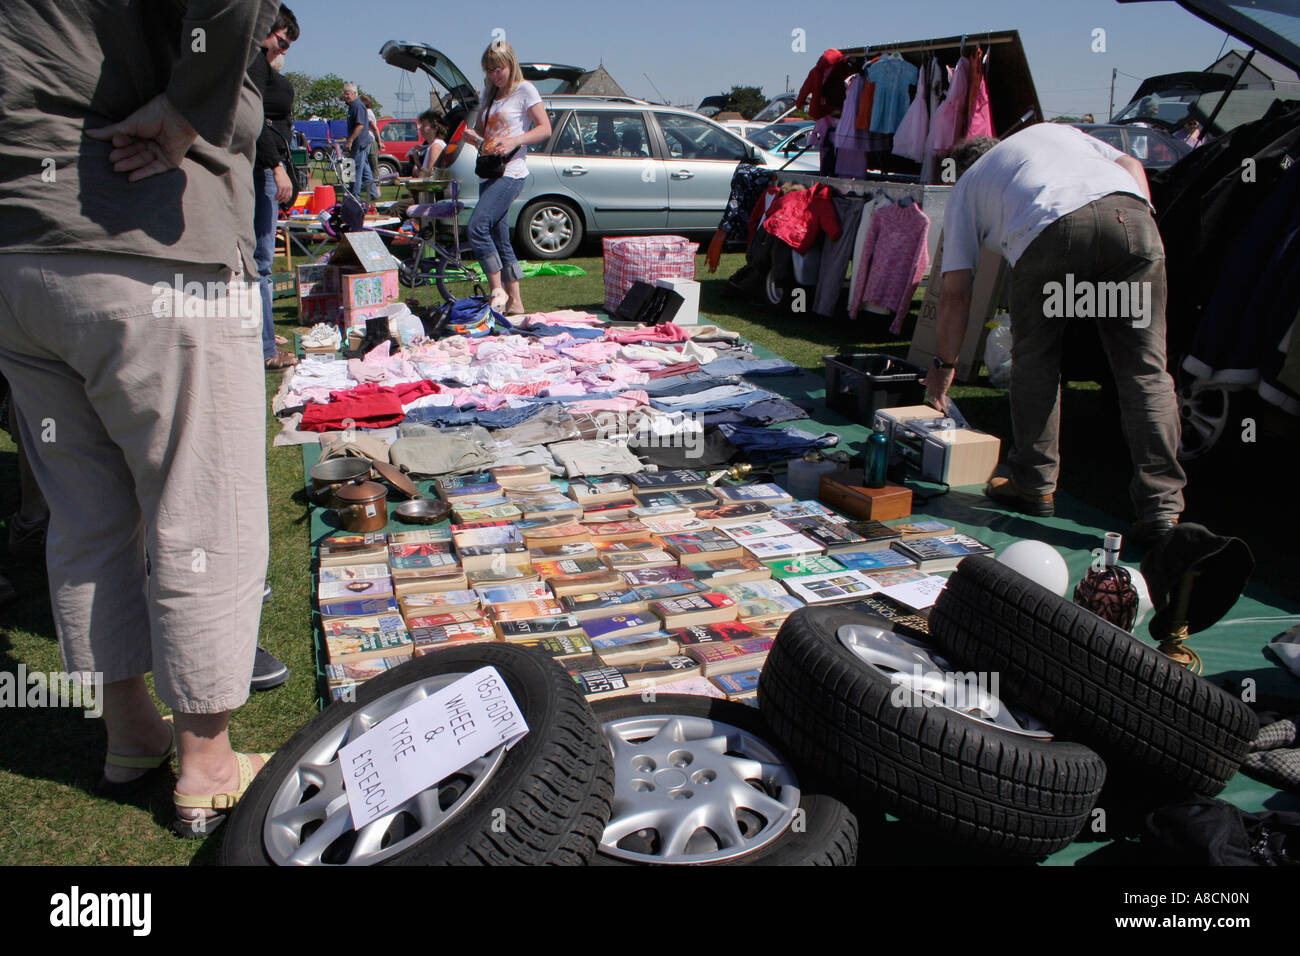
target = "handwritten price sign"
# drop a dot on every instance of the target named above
(411, 750)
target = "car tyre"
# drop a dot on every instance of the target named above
(986, 780)
(821, 831)
(387, 168)
(1149, 716)
(549, 229)
(318, 155)
(544, 801)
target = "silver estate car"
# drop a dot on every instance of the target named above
(613, 165)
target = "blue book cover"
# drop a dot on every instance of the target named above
(884, 559)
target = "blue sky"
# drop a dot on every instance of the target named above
(690, 50)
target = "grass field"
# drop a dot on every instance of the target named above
(50, 758)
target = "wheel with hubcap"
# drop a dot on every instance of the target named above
(885, 720)
(549, 229)
(1205, 411)
(696, 781)
(387, 168)
(545, 800)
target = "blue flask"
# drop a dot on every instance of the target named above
(877, 459)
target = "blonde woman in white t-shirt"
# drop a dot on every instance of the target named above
(514, 118)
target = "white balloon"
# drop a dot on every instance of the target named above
(1039, 562)
(1144, 596)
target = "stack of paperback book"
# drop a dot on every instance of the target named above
(628, 581)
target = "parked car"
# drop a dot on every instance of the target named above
(713, 105)
(553, 77)
(614, 165)
(785, 141)
(1197, 225)
(397, 137)
(777, 108)
(1153, 148)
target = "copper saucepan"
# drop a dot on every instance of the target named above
(362, 507)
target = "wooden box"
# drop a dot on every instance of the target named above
(876, 504)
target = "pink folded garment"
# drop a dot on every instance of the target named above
(623, 402)
(668, 332)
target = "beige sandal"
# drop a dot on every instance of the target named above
(222, 803)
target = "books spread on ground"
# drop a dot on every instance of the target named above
(709, 607)
(743, 568)
(786, 546)
(804, 565)
(729, 657)
(941, 552)
(922, 529)
(651, 580)
(673, 480)
(830, 588)
(768, 494)
(741, 685)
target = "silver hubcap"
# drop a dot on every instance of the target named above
(551, 229)
(928, 680)
(694, 790)
(775, 293)
(309, 823)
(1204, 411)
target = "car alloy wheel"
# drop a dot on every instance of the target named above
(549, 229)
(1205, 411)
(309, 821)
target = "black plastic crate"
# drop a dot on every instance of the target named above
(857, 384)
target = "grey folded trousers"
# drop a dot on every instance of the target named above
(143, 410)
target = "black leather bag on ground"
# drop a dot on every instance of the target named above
(645, 304)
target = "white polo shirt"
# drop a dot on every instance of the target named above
(1023, 185)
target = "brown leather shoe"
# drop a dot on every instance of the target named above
(1004, 492)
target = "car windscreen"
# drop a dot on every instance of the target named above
(770, 137)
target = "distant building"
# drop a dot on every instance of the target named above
(1264, 72)
(598, 82)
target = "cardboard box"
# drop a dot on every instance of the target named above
(359, 290)
(876, 504)
(689, 290)
(960, 456)
(986, 294)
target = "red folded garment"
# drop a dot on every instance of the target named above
(366, 406)
(681, 368)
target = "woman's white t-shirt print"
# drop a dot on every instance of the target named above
(506, 118)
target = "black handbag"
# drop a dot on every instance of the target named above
(645, 304)
(492, 165)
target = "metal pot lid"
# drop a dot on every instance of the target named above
(393, 475)
(361, 493)
(340, 469)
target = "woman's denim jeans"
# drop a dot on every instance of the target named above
(489, 227)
